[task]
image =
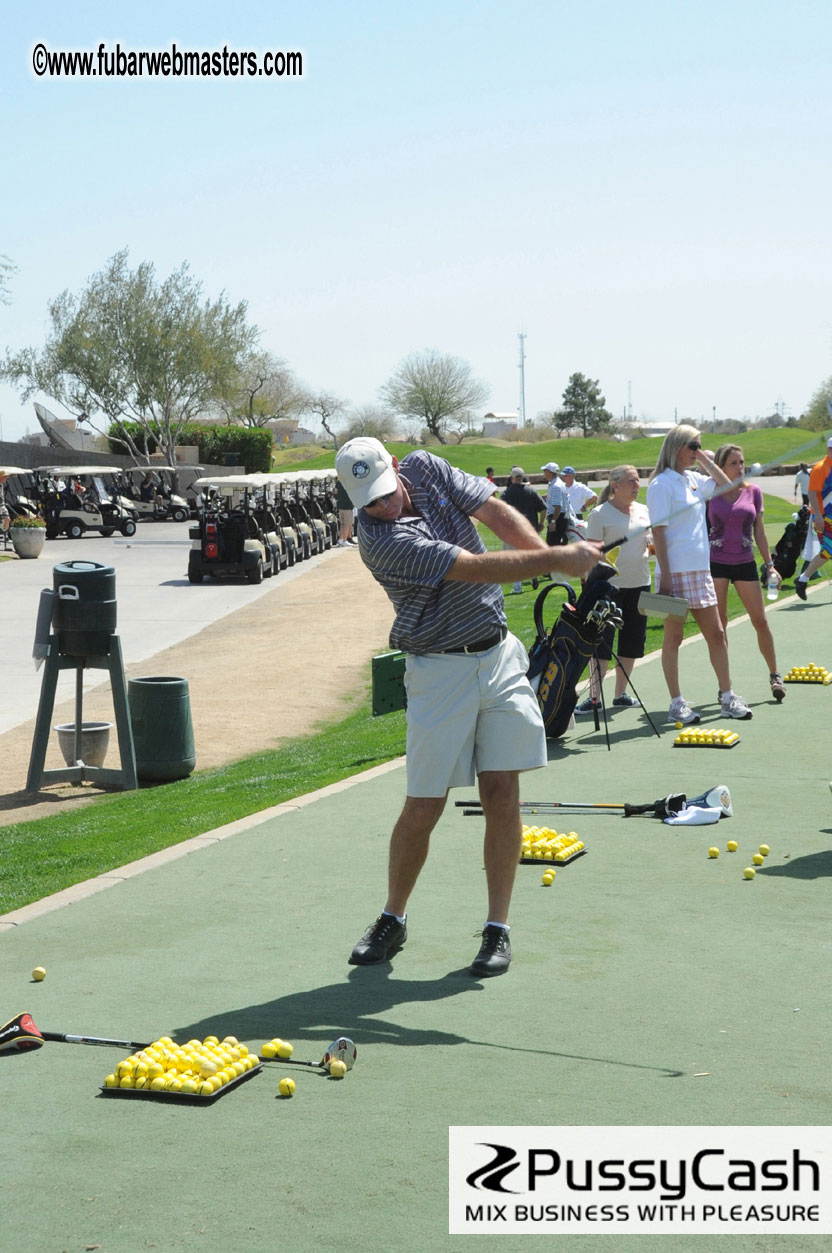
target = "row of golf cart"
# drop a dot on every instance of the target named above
(74, 499)
(254, 525)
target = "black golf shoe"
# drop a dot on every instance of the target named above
(380, 941)
(800, 588)
(494, 956)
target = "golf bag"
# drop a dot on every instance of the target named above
(787, 550)
(559, 657)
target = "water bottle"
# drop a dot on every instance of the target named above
(773, 585)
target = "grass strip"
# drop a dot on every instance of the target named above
(49, 854)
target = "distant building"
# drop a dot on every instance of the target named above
(289, 431)
(499, 425)
(639, 429)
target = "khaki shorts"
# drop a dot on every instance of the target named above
(469, 712)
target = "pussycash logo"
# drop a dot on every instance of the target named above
(493, 1174)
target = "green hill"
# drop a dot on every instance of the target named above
(583, 454)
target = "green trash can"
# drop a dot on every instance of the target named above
(163, 734)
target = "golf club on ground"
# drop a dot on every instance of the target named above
(715, 797)
(342, 1050)
(20, 1035)
(667, 805)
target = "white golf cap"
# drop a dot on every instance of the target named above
(829, 442)
(553, 466)
(366, 470)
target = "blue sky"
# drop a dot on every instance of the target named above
(643, 188)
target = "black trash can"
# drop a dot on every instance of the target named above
(84, 608)
(163, 734)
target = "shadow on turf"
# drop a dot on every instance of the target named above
(351, 1008)
(813, 866)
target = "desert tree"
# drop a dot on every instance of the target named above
(132, 352)
(437, 389)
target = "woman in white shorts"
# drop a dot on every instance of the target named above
(677, 496)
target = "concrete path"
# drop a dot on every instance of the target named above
(157, 606)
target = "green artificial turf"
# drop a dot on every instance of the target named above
(49, 854)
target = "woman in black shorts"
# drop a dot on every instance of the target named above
(735, 524)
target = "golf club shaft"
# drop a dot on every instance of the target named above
(135, 1045)
(475, 807)
(719, 491)
(63, 1038)
(293, 1061)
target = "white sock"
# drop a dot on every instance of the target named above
(726, 695)
(801, 578)
(390, 914)
(504, 925)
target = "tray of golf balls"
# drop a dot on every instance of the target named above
(199, 1071)
(808, 674)
(542, 844)
(700, 737)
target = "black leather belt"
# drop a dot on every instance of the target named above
(481, 646)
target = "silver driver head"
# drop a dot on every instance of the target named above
(342, 1050)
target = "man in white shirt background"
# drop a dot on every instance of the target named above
(580, 496)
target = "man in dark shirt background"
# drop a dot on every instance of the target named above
(522, 497)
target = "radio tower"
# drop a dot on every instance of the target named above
(521, 335)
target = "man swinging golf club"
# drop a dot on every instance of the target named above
(471, 710)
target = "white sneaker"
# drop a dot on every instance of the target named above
(680, 711)
(735, 707)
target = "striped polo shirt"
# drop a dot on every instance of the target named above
(411, 556)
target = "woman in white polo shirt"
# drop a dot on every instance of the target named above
(677, 496)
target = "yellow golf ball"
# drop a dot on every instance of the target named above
(548, 878)
(765, 850)
(758, 859)
(337, 1069)
(269, 1049)
(208, 1069)
(286, 1087)
(39, 973)
(732, 846)
(713, 852)
(679, 726)
(749, 872)
(285, 1049)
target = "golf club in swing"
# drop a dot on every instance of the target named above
(721, 491)
(20, 1035)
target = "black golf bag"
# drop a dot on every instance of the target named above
(786, 552)
(559, 657)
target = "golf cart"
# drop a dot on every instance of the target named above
(150, 494)
(322, 502)
(282, 488)
(20, 498)
(71, 513)
(264, 510)
(305, 513)
(228, 538)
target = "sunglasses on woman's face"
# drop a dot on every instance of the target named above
(695, 446)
